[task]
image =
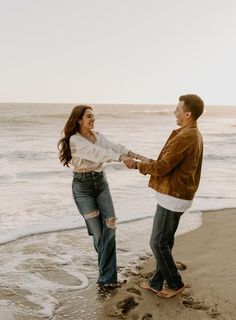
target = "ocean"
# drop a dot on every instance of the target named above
(36, 195)
(36, 190)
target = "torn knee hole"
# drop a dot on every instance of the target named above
(111, 223)
(91, 215)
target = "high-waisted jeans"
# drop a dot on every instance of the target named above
(91, 194)
(165, 224)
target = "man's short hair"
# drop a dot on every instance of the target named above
(193, 103)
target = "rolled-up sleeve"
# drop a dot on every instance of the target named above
(80, 148)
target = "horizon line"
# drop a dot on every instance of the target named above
(113, 103)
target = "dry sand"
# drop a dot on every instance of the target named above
(209, 253)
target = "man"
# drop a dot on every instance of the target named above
(175, 176)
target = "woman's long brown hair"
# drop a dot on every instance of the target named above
(71, 127)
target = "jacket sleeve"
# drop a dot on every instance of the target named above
(173, 154)
(92, 152)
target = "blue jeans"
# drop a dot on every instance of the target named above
(165, 224)
(92, 195)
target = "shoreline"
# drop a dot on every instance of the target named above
(45, 258)
(82, 226)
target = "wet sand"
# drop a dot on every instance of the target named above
(208, 252)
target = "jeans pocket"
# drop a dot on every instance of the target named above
(78, 180)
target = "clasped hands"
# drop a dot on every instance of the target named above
(130, 161)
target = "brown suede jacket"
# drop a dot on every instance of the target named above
(177, 170)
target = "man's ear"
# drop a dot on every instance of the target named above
(188, 114)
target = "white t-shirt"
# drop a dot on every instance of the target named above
(88, 156)
(172, 203)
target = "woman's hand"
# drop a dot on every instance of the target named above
(138, 157)
(123, 158)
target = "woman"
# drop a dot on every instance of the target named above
(86, 151)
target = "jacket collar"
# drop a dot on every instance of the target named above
(189, 126)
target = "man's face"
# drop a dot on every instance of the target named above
(180, 114)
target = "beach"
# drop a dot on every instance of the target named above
(48, 266)
(208, 252)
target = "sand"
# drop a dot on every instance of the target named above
(209, 253)
(210, 256)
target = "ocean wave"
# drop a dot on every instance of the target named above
(28, 155)
(33, 174)
(59, 225)
(36, 174)
(52, 227)
(115, 114)
(35, 114)
(14, 236)
(215, 197)
(222, 135)
(219, 157)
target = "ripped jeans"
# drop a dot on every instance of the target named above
(93, 200)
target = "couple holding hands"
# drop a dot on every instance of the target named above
(174, 175)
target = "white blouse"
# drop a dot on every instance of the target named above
(88, 156)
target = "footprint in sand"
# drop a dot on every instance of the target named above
(214, 313)
(147, 316)
(189, 302)
(180, 265)
(122, 307)
(134, 290)
(127, 304)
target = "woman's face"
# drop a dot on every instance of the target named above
(88, 119)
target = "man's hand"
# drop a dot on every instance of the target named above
(144, 159)
(130, 163)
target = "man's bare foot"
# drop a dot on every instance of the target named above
(169, 293)
(145, 285)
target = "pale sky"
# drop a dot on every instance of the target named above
(117, 51)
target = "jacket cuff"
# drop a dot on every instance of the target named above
(142, 167)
